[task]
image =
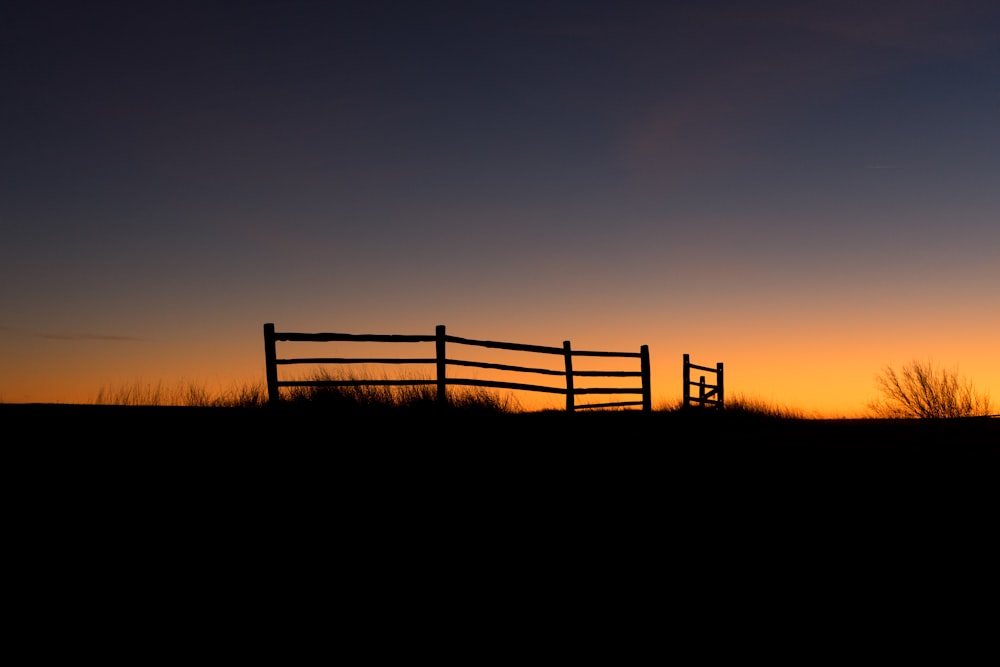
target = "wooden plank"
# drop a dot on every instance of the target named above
(453, 381)
(361, 338)
(609, 405)
(686, 375)
(568, 361)
(720, 379)
(353, 383)
(270, 365)
(504, 367)
(702, 368)
(505, 346)
(609, 390)
(506, 385)
(593, 353)
(608, 374)
(711, 401)
(647, 380)
(351, 360)
(442, 365)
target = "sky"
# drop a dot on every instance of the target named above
(807, 191)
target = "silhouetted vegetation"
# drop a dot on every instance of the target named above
(189, 394)
(381, 397)
(740, 405)
(750, 406)
(347, 398)
(919, 390)
(360, 415)
(376, 396)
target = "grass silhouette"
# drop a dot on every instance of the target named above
(188, 394)
(919, 390)
(741, 410)
(367, 396)
(366, 414)
(348, 397)
(362, 396)
(740, 405)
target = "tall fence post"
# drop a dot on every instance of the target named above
(687, 381)
(570, 398)
(719, 394)
(647, 388)
(442, 363)
(271, 364)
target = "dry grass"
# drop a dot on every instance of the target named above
(749, 405)
(190, 394)
(743, 405)
(356, 391)
(920, 390)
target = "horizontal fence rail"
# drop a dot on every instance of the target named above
(441, 362)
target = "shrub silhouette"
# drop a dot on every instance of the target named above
(922, 391)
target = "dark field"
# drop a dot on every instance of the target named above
(657, 473)
(436, 442)
(268, 513)
(670, 431)
(645, 477)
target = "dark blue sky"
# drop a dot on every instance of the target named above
(524, 170)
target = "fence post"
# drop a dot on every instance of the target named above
(647, 391)
(701, 391)
(271, 364)
(687, 381)
(442, 390)
(719, 395)
(570, 399)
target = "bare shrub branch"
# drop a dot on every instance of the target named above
(919, 390)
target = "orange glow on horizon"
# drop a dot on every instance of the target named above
(838, 383)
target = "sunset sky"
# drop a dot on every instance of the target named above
(807, 191)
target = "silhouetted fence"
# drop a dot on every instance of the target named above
(441, 361)
(712, 395)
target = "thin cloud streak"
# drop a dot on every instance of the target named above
(86, 336)
(75, 335)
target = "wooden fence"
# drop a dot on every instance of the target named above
(442, 362)
(711, 395)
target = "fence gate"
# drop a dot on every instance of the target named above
(709, 395)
